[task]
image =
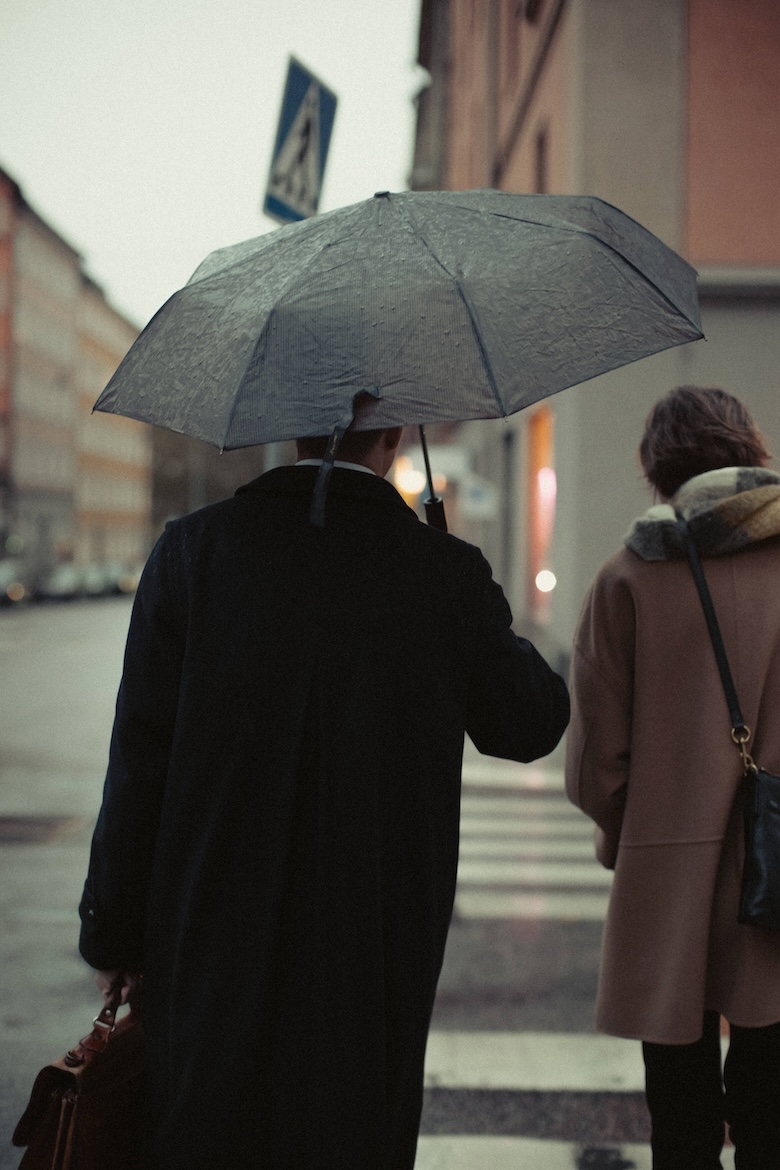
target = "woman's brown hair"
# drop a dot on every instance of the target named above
(692, 430)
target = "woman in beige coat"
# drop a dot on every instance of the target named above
(650, 759)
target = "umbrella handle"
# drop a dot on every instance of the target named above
(434, 505)
(434, 513)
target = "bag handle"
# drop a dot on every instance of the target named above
(102, 1027)
(740, 732)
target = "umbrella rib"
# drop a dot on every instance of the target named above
(478, 334)
(290, 282)
(643, 276)
(469, 308)
(576, 229)
(233, 402)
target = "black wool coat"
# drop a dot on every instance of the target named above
(277, 845)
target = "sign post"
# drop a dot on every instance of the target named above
(301, 146)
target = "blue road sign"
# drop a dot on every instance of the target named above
(301, 147)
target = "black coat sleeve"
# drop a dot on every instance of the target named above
(113, 906)
(518, 707)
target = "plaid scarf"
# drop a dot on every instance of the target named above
(726, 509)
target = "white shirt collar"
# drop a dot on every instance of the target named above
(337, 463)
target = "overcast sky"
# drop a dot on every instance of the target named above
(143, 131)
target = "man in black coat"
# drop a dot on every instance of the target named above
(278, 842)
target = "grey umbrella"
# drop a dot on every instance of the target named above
(439, 306)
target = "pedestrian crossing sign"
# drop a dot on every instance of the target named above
(301, 147)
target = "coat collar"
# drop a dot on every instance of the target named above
(345, 484)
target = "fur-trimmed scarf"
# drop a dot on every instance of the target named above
(726, 509)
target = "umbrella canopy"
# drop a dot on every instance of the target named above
(439, 305)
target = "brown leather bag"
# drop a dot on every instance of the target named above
(85, 1109)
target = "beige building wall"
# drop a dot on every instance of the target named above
(670, 110)
(629, 133)
(599, 424)
(47, 284)
(69, 489)
(113, 496)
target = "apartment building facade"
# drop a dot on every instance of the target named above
(113, 490)
(73, 487)
(671, 111)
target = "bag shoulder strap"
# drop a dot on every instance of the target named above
(737, 721)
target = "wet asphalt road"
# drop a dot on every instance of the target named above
(60, 671)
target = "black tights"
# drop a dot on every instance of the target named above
(689, 1099)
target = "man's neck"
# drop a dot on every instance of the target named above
(337, 463)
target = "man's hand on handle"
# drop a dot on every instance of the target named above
(128, 983)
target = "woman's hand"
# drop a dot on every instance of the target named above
(606, 847)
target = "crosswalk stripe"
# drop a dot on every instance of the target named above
(541, 905)
(496, 773)
(521, 806)
(509, 1153)
(525, 872)
(502, 827)
(533, 848)
(480, 1152)
(564, 1061)
(569, 1062)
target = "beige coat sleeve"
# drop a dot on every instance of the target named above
(598, 748)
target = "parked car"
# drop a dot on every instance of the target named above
(123, 578)
(62, 583)
(97, 580)
(14, 581)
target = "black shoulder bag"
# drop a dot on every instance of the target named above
(759, 902)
